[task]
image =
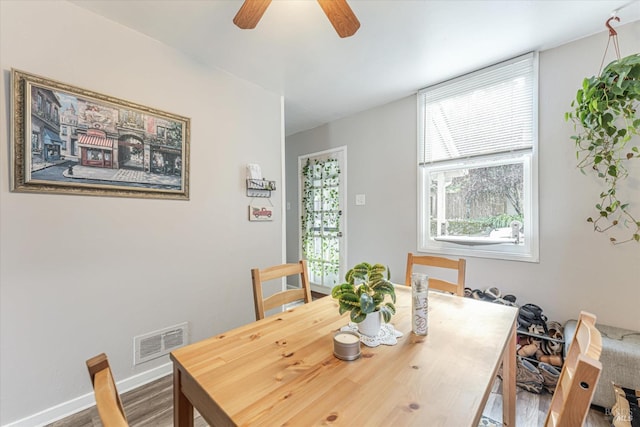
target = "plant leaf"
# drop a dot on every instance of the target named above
(357, 316)
(367, 305)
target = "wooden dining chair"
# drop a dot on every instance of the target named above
(439, 262)
(283, 297)
(579, 376)
(108, 400)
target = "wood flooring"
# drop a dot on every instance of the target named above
(152, 405)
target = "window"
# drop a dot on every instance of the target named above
(35, 141)
(94, 155)
(477, 163)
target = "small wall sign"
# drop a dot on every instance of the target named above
(260, 213)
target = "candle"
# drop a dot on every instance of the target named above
(346, 345)
(346, 338)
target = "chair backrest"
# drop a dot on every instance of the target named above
(284, 297)
(579, 376)
(108, 400)
(439, 262)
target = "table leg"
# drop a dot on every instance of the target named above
(509, 381)
(182, 408)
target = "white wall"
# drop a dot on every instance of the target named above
(578, 268)
(83, 275)
(380, 164)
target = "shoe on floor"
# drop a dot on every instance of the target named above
(528, 376)
(550, 374)
(555, 332)
(489, 422)
(479, 295)
(554, 360)
(528, 350)
(492, 293)
(510, 298)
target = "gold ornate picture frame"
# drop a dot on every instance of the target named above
(74, 141)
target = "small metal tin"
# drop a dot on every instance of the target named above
(346, 345)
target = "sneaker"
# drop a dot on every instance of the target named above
(510, 298)
(528, 377)
(505, 302)
(492, 293)
(479, 295)
(550, 375)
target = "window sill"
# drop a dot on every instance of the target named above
(475, 241)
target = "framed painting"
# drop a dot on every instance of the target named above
(75, 141)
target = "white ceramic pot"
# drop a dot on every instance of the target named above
(370, 326)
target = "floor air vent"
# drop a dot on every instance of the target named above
(155, 344)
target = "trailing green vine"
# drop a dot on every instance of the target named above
(321, 215)
(605, 119)
(307, 207)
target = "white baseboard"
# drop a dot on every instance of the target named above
(80, 403)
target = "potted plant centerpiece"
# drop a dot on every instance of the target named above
(364, 295)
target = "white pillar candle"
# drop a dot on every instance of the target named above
(346, 345)
(346, 338)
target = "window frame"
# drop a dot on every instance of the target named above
(529, 251)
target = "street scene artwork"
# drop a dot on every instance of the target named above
(71, 140)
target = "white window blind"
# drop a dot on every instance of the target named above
(488, 111)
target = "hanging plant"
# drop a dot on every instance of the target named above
(605, 119)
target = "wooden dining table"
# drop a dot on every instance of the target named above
(281, 370)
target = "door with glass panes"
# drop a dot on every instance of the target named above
(322, 220)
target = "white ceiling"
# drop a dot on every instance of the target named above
(401, 46)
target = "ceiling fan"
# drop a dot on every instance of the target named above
(338, 11)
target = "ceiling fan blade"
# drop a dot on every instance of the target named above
(250, 13)
(341, 16)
